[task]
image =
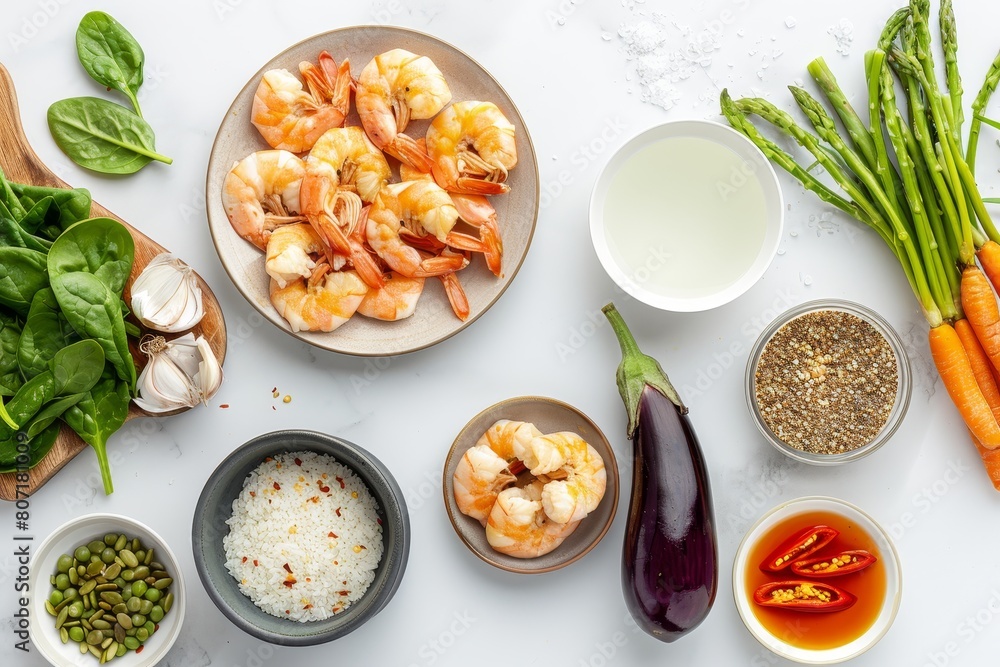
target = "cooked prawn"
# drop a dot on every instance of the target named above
(351, 161)
(472, 147)
(393, 88)
(261, 192)
(396, 301)
(291, 118)
(510, 439)
(573, 472)
(322, 302)
(477, 211)
(291, 253)
(517, 524)
(338, 217)
(480, 476)
(403, 203)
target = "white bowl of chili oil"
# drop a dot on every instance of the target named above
(819, 638)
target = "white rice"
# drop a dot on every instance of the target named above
(304, 538)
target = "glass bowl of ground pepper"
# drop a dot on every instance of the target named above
(828, 382)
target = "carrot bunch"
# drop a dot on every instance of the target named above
(911, 179)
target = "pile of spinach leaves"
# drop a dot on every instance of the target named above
(64, 353)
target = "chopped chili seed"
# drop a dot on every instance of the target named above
(224, 405)
(139, 650)
(341, 482)
(288, 611)
(289, 583)
(331, 534)
(277, 487)
(344, 593)
(244, 559)
(253, 494)
(314, 499)
(255, 563)
(298, 461)
(337, 511)
(287, 568)
(309, 579)
(308, 606)
(325, 489)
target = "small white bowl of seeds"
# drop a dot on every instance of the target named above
(828, 382)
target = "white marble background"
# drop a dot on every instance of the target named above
(577, 72)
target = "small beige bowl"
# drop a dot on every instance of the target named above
(549, 415)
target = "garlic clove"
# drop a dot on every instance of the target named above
(179, 374)
(166, 296)
(209, 376)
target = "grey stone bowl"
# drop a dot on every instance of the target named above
(215, 507)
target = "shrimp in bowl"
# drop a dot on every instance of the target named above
(529, 490)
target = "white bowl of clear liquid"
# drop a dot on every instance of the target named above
(687, 215)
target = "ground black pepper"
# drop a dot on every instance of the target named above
(826, 382)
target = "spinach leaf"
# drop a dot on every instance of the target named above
(101, 246)
(70, 206)
(22, 273)
(102, 136)
(77, 367)
(10, 375)
(110, 54)
(45, 332)
(26, 403)
(51, 412)
(38, 447)
(13, 234)
(98, 415)
(95, 313)
(9, 200)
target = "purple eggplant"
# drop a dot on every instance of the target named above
(670, 564)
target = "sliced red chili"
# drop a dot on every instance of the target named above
(800, 595)
(798, 547)
(833, 566)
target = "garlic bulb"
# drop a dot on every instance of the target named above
(166, 296)
(179, 374)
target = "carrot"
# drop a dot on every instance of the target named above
(981, 366)
(989, 257)
(981, 310)
(953, 366)
(991, 460)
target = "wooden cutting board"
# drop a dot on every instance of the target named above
(22, 165)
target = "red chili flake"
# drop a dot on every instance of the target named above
(298, 461)
(274, 389)
(336, 563)
(337, 511)
(289, 583)
(378, 520)
(314, 499)
(341, 482)
(277, 487)
(244, 559)
(268, 459)
(325, 489)
(255, 563)
(332, 534)
(344, 593)
(253, 494)
(156, 627)
(308, 579)
(308, 606)
(287, 569)
(224, 405)
(139, 650)
(288, 611)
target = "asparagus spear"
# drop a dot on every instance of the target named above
(978, 106)
(949, 42)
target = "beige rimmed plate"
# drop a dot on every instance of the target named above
(433, 320)
(549, 415)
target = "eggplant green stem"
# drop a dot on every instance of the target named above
(637, 371)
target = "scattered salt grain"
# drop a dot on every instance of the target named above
(843, 34)
(790, 22)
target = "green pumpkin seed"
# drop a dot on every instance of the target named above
(95, 569)
(112, 571)
(101, 624)
(119, 633)
(141, 572)
(167, 603)
(134, 604)
(77, 634)
(142, 634)
(64, 635)
(121, 650)
(61, 618)
(124, 620)
(131, 643)
(107, 586)
(74, 576)
(121, 542)
(128, 574)
(163, 583)
(87, 587)
(96, 652)
(108, 641)
(95, 637)
(111, 597)
(49, 608)
(129, 558)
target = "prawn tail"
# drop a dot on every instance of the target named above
(405, 149)
(477, 186)
(456, 295)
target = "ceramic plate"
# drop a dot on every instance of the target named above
(433, 320)
(549, 415)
